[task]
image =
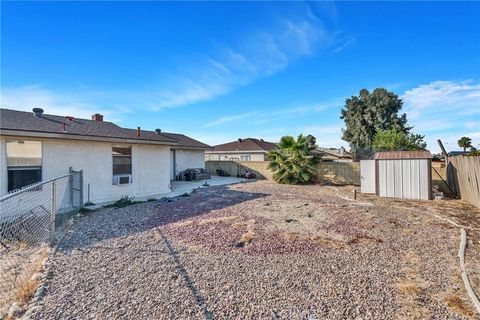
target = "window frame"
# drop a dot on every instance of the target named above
(11, 168)
(122, 156)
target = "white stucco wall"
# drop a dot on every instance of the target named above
(188, 159)
(150, 165)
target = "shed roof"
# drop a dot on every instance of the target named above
(392, 155)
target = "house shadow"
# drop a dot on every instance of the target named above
(109, 223)
(98, 227)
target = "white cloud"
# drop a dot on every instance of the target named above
(451, 96)
(261, 117)
(27, 97)
(445, 110)
(260, 53)
(228, 119)
(328, 136)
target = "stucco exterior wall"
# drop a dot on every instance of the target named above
(254, 156)
(188, 159)
(150, 165)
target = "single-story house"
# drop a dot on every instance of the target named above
(334, 155)
(115, 161)
(249, 149)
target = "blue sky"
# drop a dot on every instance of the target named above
(222, 70)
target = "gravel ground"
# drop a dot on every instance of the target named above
(262, 250)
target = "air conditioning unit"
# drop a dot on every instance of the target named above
(126, 179)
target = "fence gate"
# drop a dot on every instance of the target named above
(27, 229)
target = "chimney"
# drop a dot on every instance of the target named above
(239, 140)
(341, 151)
(138, 131)
(37, 112)
(97, 117)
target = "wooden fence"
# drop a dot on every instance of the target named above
(463, 174)
(336, 173)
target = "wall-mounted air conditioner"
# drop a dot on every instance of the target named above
(125, 179)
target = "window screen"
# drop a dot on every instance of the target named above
(122, 160)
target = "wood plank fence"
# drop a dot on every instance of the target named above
(463, 174)
(335, 173)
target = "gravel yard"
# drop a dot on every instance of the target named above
(263, 250)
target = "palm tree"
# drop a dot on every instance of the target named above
(465, 142)
(293, 161)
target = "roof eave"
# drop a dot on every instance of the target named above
(71, 136)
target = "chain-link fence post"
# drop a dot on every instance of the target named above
(81, 188)
(53, 214)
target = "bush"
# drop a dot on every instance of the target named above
(293, 161)
(122, 202)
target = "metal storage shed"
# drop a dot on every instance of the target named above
(402, 174)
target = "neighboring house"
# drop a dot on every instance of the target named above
(249, 149)
(115, 161)
(334, 155)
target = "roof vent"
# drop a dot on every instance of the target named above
(239, 140)
(262, 140)
(158, 131)
(69, 118)
(138, 131)
(37, 112)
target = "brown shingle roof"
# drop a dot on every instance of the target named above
(390, 155)
(26, 122)
(184, 141)
(248, 144)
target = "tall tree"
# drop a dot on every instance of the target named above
(293, 161)
(368, 113)
(394, 139)
(465, 142)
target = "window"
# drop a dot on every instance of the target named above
(122, 160)
(245, 158)
(24, 163)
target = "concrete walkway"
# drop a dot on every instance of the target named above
(180, 187)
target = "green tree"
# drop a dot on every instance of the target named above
(293, 161)
(465, 142)
(395, 139)
(368, 113)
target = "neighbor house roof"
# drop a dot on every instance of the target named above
(46, 125)
(391, 155)
(243, 145)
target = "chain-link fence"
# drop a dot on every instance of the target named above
(27, 231)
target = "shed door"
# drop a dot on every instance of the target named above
(367, 176)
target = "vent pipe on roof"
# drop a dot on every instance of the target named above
(37, 112)
(138, 131)
(158, 131)
(239, 140)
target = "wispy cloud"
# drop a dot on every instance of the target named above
(26, 97)
(453, 96)
(444, 110)
(261, 117)
(228, 119)
(258, 54)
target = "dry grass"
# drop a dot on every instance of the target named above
(217, 220)
(413, 289)
(328, 243)
(24, 287)
(458, 305)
